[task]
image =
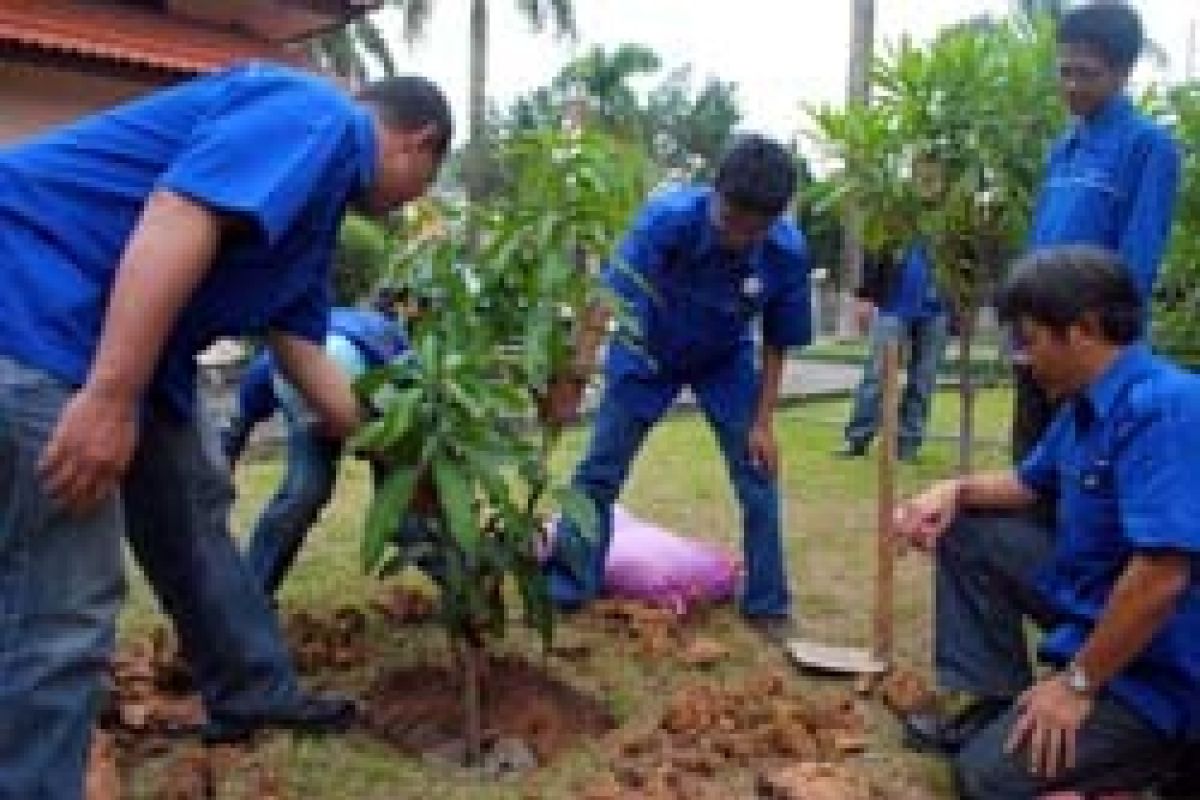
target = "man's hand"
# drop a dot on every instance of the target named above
(922, 519)
(90, 449)
(864, 312)
(1051, 715)
(764, 452)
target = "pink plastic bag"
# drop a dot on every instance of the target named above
(652, 564)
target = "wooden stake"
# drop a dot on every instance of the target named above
(886, 500)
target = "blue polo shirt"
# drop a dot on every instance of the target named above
(916, 296)
(281, 150)
(1122, 460)
(694, 302)
(1111, 181)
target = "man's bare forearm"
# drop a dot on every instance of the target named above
(320, 381)
(999, 491)
(167, 256)
(1143, 599)
(773, 360)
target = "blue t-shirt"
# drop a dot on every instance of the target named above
(1122, 461)
(281, 150)
(916, 296)
(694, 302)
(1111, 181)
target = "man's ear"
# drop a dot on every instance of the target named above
(422, 138)
(1088, 327)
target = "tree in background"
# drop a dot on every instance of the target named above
(950, 151)
(1177, 308)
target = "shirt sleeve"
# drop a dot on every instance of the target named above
(787, 315)
(307, 316)
(1151, 211)
(641, 254)
(265, 151)
(1155, 470)
(1040, 469)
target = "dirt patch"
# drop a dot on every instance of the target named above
(420, 710)
(402, 605)
(323, 642)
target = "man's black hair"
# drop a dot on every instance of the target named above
(1058, 286)
(410, 102)
(757, 174)
(1112, 29)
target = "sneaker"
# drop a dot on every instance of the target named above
(949, 721)
(851, 450)
(310, 713)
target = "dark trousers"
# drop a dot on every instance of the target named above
(984, 594)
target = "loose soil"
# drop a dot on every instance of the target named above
(420, 710)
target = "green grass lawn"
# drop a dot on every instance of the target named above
(678, 482)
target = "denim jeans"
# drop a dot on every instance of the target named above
(575, 569)
(926, 340)
(61, 586)
(308, 483)
(983, 595)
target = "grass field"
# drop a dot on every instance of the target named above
(678, 482)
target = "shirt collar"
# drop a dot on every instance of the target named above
(1102, 393)
(710, 239)
(366, 146)
(1114, 111)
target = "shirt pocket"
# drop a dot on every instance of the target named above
(1089, 185)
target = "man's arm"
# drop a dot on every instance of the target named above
(1151, 213)
(168, 254)
(764, 450)
(326, 390)
(924, 518)
(1143, 599)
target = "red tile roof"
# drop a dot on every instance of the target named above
(128, 35)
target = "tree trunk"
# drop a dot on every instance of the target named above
(472, 656)
(477, 111)
(858, 91)
(966, 389)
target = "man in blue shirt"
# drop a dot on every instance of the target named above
(899, 298)
(696, 268)
(1111, 180)
(1114, 585)
(358, 340)
(129, 241)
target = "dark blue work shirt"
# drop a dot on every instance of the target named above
(1111, 181)
(916, 296)
(1123, 461)
(694, 302)
(282, 151)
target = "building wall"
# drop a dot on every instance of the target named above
(36, 96)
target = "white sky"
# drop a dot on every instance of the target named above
(781, 53)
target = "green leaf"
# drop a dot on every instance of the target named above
(578, 508)
(388, 506)
(458, 502)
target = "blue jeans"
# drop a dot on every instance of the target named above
(62, 583)
(983, 595)
(926, 340)
(575, 569)
(308, 483)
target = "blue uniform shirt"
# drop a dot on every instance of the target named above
(1122, 460)
(281, 150)
(916, 296)
(694, 302)
(1111, 181)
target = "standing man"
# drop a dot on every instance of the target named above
(358, 340)
(899, 299)
(1113, 585)
(1111, 179)
(129, 241)
(697, 267)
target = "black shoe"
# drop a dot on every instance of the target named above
(851, 450)
(311, 713)
(938, 730)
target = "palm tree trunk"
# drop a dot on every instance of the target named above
(966, 389)
(478, 97)
(858, 90)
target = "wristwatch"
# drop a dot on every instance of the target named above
(1077, 679)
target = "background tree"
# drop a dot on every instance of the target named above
(950, 152)
(416, 14)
